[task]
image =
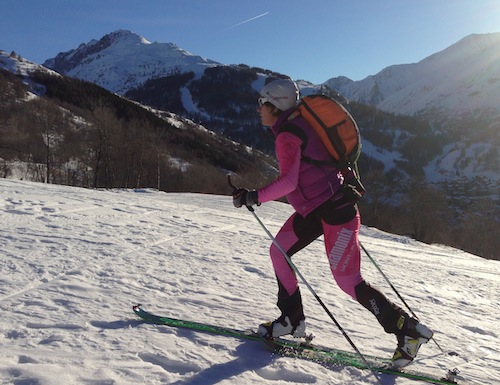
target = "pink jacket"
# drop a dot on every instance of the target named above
(306, 186)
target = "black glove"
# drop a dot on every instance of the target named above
(244, 197)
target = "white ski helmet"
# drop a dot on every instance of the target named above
(281, 93)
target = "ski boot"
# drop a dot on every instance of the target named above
(282, 326)
(411, 336)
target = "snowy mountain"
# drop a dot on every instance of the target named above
(460, 80)
(74, 261)
(123, 60)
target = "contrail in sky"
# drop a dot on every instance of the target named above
(244, 22)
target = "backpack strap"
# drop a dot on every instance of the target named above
(296, 130)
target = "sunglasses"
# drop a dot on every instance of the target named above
(263, 101)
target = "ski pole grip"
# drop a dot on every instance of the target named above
(250, 208)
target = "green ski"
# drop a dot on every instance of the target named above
(303, 350)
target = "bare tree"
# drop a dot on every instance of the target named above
(426, 208)
(48, 118)
(480, 229)
(104, 123)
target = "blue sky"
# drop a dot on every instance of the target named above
(312, 40)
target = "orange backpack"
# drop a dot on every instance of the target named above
(335, 126)
(340, 135)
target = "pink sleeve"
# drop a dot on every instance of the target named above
(288, 152)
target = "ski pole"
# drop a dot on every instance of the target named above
(320, 301)
(395, 291)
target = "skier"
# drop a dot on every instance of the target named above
(322, 206)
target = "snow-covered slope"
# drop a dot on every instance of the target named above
(73, 261)
(123, 60)
(20, 66)
(461, 79)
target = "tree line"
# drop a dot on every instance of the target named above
(80, 134)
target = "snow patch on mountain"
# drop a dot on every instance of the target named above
(190, 105)
(20, 66)
(463, 161)
(388, 158)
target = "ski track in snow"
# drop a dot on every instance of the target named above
(74, 261)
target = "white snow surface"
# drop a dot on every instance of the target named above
(74, 261)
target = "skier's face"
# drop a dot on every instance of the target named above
(267, 117)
